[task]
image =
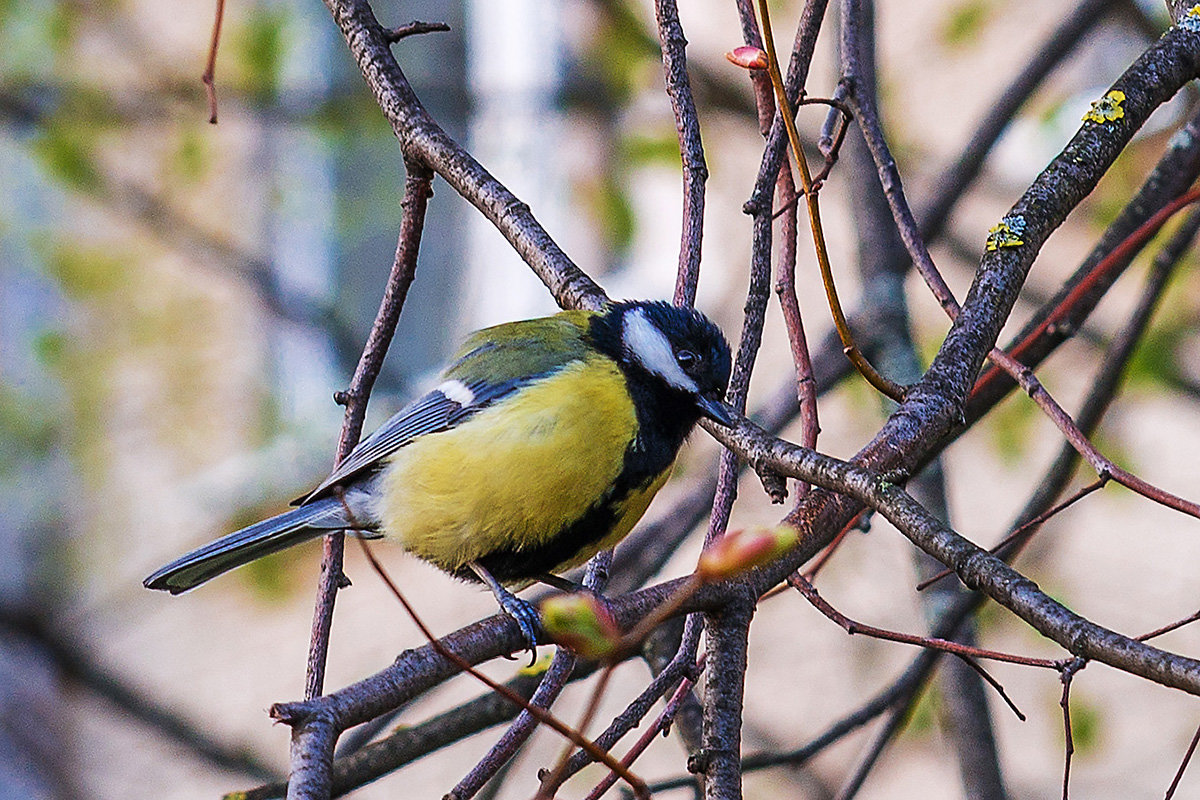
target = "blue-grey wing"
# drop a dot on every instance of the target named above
(440, 410)
(510, 355)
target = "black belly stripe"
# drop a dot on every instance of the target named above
(515, 566)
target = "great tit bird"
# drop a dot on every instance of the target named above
(543, 444)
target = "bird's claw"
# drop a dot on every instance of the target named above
(528, 620)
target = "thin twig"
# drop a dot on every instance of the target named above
(210, 68)
(691, 148)
(953, 648)
(661, 725)
(1187, 758)
(1176, 625)
(416, 198)
(1022, 533)
(1067, 676)
(784, 108)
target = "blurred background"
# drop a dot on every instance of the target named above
(179, 301)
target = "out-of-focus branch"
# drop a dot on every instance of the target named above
(76, 665)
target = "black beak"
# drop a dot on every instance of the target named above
(716, 410)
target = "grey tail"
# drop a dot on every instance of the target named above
(241, 547)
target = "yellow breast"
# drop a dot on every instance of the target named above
(515, 474)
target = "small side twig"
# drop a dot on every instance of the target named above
(1067, 676)
(414, 28)
(965, 652)
(210, 68)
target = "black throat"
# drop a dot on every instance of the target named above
(665, 415)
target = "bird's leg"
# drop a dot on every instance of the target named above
(522, 612)
(562, 584)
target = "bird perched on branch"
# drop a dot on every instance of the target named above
(543, 444)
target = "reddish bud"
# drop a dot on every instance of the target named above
(748, 57)
(738, 551)
(581, 622)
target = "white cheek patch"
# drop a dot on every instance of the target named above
(650, 347)
(458, 392)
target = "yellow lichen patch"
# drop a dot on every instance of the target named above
(1191, 18)
(1107, 109)
(1005, 233)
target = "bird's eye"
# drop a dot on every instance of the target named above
(687, 359)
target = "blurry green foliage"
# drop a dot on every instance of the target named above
(26, 427)
(258, 48)
(49, 347)
(191, 157)
(1010, 426)
(964, 22)
(922, 715)
(65, 150)
(645, 149)
(1050, 109)
(278, 577)
(608, 203)
(85, 272)
(1120, 182)
(1087, 724)
(275, 579)
(1155, 363)
(29, 32)
(620, 51)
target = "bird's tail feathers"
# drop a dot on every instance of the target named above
(241, 547)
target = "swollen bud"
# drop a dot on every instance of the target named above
(747, 57)
(741, 550)
(581, 622)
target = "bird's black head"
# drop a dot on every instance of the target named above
(678, 349)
